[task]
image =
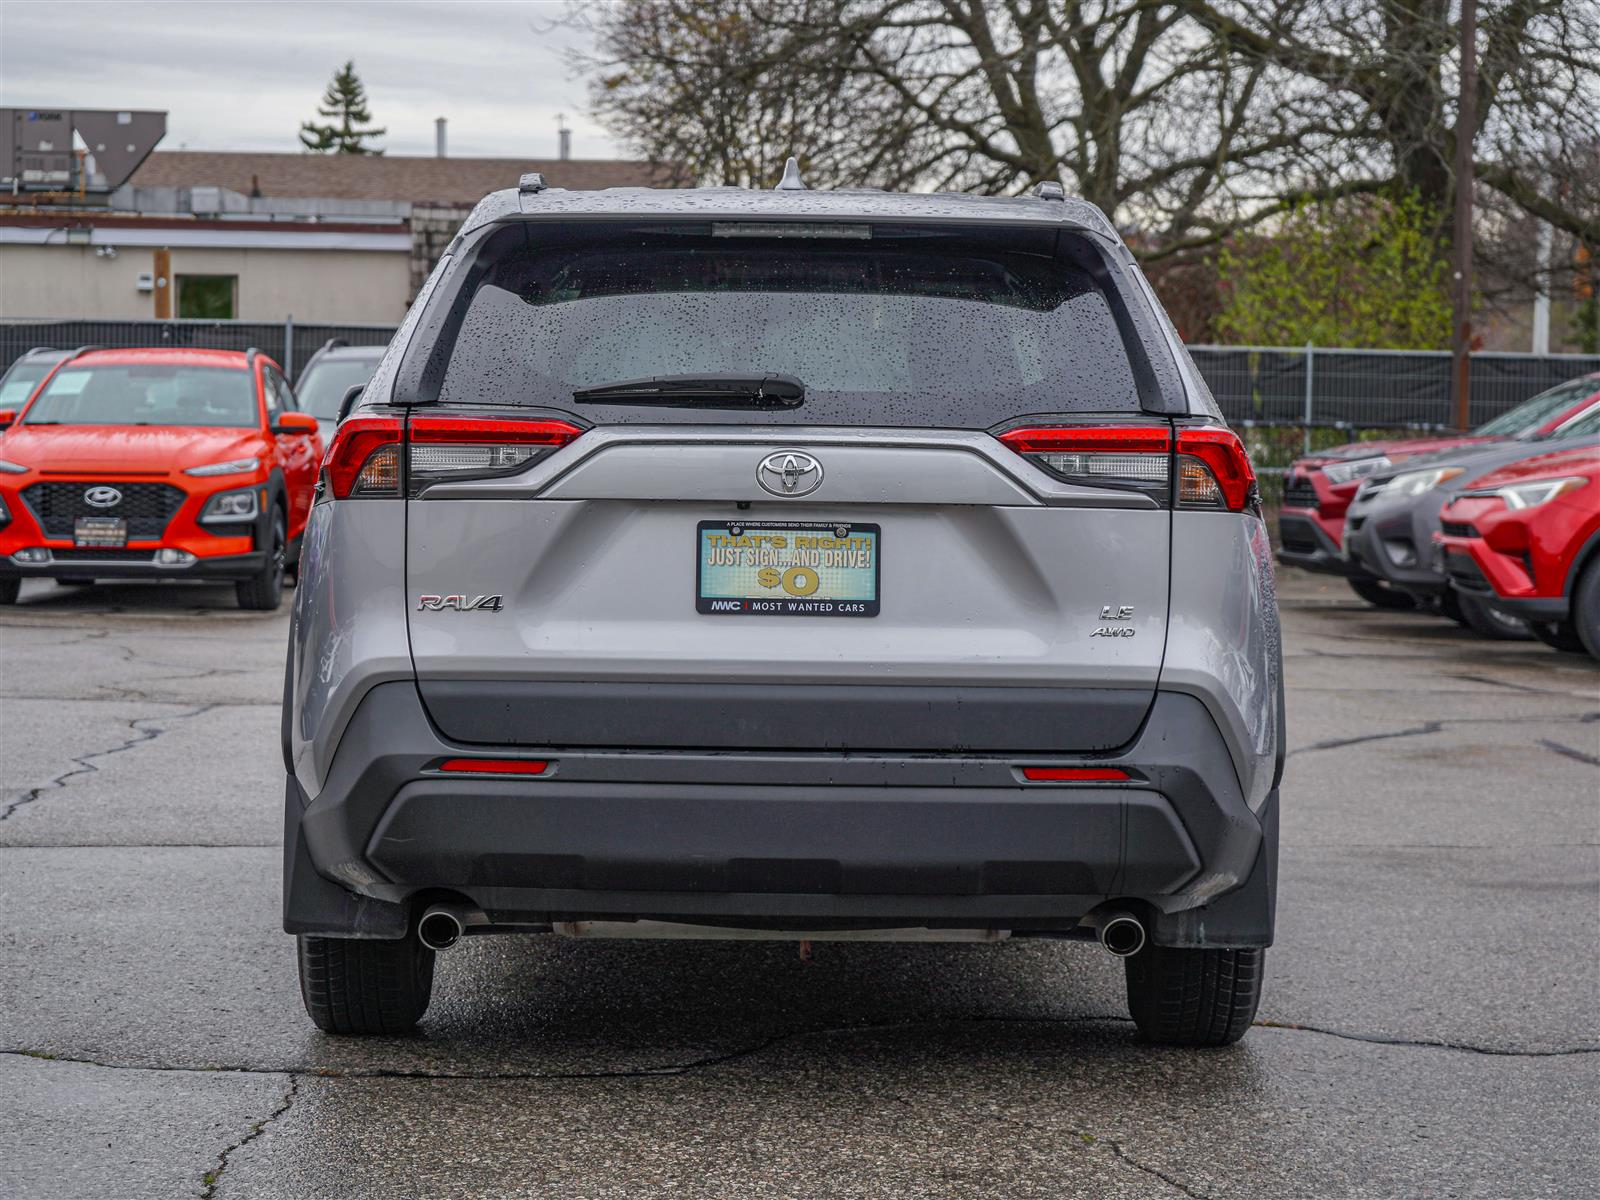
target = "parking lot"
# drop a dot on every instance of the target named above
(1429, 1026)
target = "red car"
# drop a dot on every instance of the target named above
(1319, 487)
(1527, 537)
(157, 464)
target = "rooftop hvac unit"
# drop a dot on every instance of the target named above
(38, 154)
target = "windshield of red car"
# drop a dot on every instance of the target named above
(1532, 413)
(147, 394)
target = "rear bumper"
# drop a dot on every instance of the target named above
(785, 840)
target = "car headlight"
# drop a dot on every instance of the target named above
(1344, 472)
(11, 468)
(1531, 495)
(237, 466)
(232, 506)
(1414, 483)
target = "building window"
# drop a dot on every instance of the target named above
(210, 297)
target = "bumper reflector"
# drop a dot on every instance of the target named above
(495, 766)
(1073, 774)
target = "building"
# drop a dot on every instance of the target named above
(261, 237)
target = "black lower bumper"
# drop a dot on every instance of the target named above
(787, 840)
(89, 566)
(1533, 608)
(1303, 543)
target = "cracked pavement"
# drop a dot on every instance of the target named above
(1429, 1026)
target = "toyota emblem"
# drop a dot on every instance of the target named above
(789, 473)
(102, 496)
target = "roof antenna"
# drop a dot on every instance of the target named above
(791, 181)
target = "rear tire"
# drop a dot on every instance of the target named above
(1381, 595)
(263, 591)
(1558, 635)
(1586, 607)
(1189, 997)
(1487, 621)
(9, 589)
(363, 987)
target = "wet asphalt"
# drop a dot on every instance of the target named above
(1429, 1029)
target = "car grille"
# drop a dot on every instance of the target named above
(1457, 529)
(1298, 493)
(147, 507)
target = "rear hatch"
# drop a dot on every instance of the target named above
(765, 488)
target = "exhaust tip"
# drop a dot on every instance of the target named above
(1122, 935)
(440, 928)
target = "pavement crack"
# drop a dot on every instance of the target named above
(1504, 683)
(1338, 743)
(214, 1176)
(84, 764)
(1569, 752)
(1374, 1039)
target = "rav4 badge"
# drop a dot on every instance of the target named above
(458, 604)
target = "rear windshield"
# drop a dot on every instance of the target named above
(883, 325)
(147, 394)
(323, 386)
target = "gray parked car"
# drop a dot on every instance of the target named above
(790, 564)
(1390, 524)
(329, 375)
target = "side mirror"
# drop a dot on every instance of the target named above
(8, 417)
(349, 401)
(295, 422)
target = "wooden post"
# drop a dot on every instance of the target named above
(164, 284)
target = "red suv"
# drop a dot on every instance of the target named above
(1527, 538)
(157, 464)
(1319, 487)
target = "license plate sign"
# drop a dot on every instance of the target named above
(787, 569)
(100, 532)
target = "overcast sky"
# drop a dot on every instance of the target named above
(242, 75)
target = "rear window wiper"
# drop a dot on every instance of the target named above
(700, 391)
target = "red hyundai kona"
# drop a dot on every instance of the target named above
(157, 464)
(1527, 537)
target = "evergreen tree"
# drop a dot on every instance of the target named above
(346, 102)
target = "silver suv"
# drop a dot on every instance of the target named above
(791, 564)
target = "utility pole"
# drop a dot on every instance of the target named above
(1466, 127)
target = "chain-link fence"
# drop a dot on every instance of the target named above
(288, 343)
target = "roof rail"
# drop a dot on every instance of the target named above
(530, 183)
(250, 356)
(84, 349)
(36, 349)
(1050, 189)
(332, 344)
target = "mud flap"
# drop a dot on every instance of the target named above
(312, 904)
(1241, 918)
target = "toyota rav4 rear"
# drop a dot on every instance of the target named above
(785, 565)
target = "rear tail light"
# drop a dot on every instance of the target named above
(1213, 470)
(364, 457)
(1211, 467)
(372, 456)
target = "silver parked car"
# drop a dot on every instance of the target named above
(791, 564)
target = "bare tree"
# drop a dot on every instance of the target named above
(1187, 119)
